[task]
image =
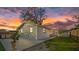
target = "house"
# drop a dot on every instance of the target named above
(75, 32)
(51, 31)
(30, 30)
(6, 34)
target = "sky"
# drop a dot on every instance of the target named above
(10, 16)
(61, 14)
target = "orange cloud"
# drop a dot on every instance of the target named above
(14, 22)
(53, 20)
(10, 24)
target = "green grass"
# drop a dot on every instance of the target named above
(1, 47)
(62, 44)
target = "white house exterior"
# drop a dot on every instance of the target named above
(33, 31)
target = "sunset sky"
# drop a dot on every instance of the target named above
(60, 14)
(10, 17)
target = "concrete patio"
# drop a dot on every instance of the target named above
(20, 44)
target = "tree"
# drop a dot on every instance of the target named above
(26, 14)
(76, 17)
(37, 15)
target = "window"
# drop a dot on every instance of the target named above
(21, 30)
(31, 29)
(44, 30)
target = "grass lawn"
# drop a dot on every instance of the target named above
(1, 47)
(62, 44)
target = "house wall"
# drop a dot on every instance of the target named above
(52, 32)
(33, 32)
(75, 32)
(5, 35)
(42, 33)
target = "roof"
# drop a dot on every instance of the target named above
(7, 31)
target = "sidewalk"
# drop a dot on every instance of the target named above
(20, 44)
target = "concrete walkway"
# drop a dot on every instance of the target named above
(20, 44)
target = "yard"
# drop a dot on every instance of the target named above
(62, 44)
(1, 47)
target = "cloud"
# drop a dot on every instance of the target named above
(60, 11)
(11, 12)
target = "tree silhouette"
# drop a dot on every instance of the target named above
(76, 17)
(26, 14)
(37, 15)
